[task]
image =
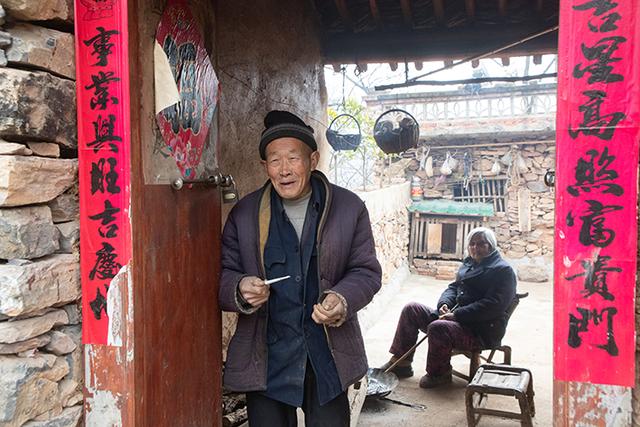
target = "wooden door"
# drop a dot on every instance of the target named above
(176, 243)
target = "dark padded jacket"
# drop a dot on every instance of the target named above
(347, 265)
(483, 292)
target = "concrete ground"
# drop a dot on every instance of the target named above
(529, 334)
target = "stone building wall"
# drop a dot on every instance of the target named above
(41, 372)
(525, 230)
(390, 225)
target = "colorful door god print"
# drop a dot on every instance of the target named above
(185, 124)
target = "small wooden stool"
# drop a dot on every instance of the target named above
(502, 380)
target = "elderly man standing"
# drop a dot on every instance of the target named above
(298, 342)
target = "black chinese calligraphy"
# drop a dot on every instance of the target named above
(104, 134)
(100, 88)
(593, 231)
(186, 114)
(594, 173)
(101, 175)
(106, 266)
(595, 277)
(107, 218)
(102, 46)
(594, 123)
(601, 7)
(601, 70)
(99, 303)
(581, 325)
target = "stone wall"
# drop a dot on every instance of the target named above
(41, 372)
(390, 225)
(525, 229)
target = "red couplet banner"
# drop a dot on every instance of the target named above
(102, 87)
(596, 184)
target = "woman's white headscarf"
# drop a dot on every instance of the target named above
(488, 234)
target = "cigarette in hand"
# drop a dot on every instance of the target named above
(276, 280)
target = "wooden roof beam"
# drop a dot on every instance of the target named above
(406, 12)
(502, 8)
(348, 48)
(470, 7)
(343, 10)
(375, 12)
(438, 11)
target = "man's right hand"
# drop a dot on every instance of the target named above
(444, 309)
(254, 291)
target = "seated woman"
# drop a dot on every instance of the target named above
(471, 313)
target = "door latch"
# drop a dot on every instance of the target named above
(550, 178)
(225, 182)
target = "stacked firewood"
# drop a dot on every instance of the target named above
(234, 409)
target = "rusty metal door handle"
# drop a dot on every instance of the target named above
(217, 180)
(226, 182)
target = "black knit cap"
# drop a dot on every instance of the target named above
(280, 124)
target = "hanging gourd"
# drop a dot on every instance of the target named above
(344, 133)
(395, 131)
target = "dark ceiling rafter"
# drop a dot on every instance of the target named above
(407, 15)
(502, 8)
(348, 48)
(358, 31)
(375, 13)
(343, 10)
(470, 8)
(438, 11)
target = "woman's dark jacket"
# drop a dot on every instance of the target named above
(347, 265)
(483, 292)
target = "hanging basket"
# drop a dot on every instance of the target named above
(341, 133)
(396, 131)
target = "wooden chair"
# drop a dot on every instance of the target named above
(476, 356)
(505, 381)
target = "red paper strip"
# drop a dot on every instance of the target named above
(102, 87)
(596, 184)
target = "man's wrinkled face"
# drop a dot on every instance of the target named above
(479, 247)
(288, 164)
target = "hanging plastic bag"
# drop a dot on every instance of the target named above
(495, 169)
(421, 156)
(428, 166)
(445, 169)
(521, 164)
(453, 163)
(507, 159)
